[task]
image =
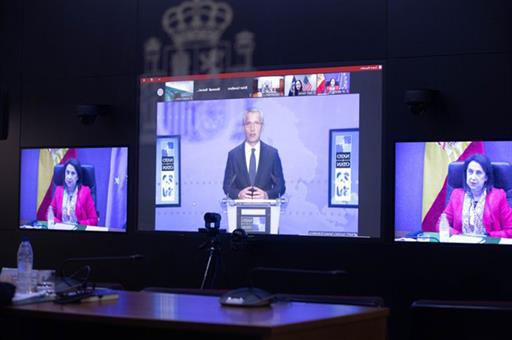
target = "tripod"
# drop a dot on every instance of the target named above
(212, 225)
(213, 252)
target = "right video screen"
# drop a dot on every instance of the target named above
(454, 192)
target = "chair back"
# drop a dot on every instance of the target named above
(502, 178)
(88, 179)
(459, 319)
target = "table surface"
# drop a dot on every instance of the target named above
(181, 311)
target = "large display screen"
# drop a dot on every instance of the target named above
(74, 188)
(454, 192)
(291, 152)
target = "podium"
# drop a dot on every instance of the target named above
(254, 216)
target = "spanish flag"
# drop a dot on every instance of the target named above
(438, 155)
(320, 83)
(48, 158)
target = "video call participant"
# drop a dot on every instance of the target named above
(295, 88)
(72, 203)
(332, 87)
(479, 208)
(253, 169)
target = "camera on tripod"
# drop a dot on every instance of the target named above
(212, 229)
(212, 223)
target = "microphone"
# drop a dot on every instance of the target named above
(275, 276)
(238, 239)
(230, 185)
(273, 178)
(232, 180)
(80, 278)
(105, 258)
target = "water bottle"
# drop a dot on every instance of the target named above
(444, 229)
(25, 262)
(51, 218)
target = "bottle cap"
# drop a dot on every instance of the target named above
(25, 238)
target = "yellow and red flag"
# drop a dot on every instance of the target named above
(438, 155)
(320, 83)
(48, 158)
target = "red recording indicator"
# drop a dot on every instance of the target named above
(251, 74)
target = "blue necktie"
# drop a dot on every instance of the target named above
(252, 167)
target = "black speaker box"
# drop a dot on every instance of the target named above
(6, 293)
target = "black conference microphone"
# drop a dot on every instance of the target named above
(79, 279)
(7, 291)
(105, 258)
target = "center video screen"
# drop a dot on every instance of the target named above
(74, 189)
(271, 152)
(454, 192)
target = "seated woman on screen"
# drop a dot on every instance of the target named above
(332, 87)
(72, 203)
(479, 208)
(296, 88)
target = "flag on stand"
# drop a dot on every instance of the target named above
(48, 158)
(115, 216)
(320, 83)
(307, 85)
(438, 155)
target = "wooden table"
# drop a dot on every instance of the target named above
(159, 315)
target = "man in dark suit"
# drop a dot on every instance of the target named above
(253, 169)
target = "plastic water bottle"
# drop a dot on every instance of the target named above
(25, 262)
(444, 229)
(51, 218)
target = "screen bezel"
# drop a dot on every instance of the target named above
(376, 140)
(451, 245)
(128, 189)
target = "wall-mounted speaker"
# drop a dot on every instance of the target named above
(4, 116)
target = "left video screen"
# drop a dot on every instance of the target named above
(79, 189)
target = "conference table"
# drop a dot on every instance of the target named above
(150, 315)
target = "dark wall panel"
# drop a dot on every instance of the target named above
(437, 27)
(79, 37)
(49, 115)
(10, 71)
(287, 32)
(473, 99)
(306, 32)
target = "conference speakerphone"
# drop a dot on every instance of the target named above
(247, 297)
